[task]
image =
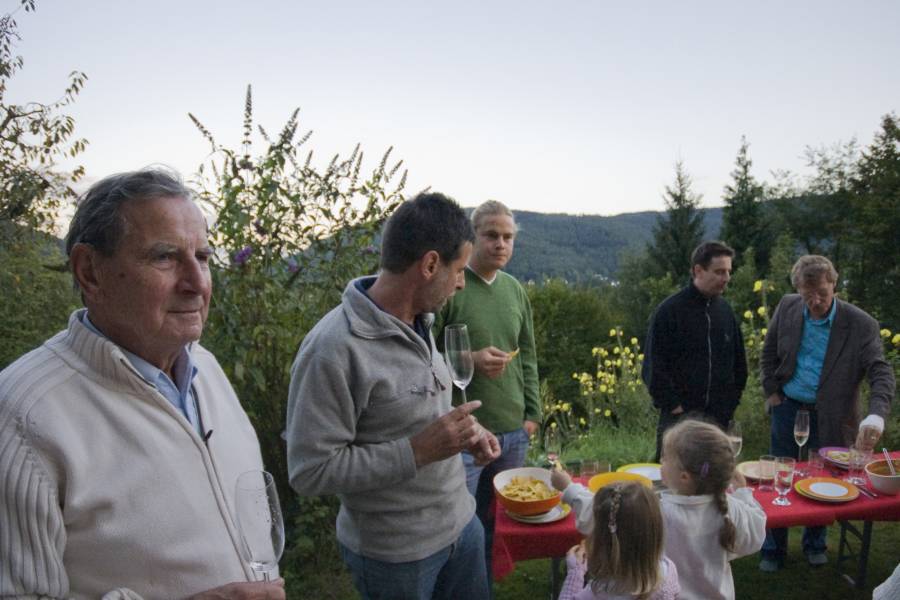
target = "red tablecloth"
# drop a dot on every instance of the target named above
(515, 541)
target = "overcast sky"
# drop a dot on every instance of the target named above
(578, 107)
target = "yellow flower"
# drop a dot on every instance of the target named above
(607, 363)
(566, 407)
(596, 411)
(896, 340)
(761, 311)
(583, 423)
(634, 342)
(757, 285)
(763, 331)
(885, 333)
(748, 315)
(619, 364)
(603, 352)
(553, 425)
(603, 389)
(612, 333)
(750, 343)
(608, 413)
(616, 351)
(574, 375)
(641, 356)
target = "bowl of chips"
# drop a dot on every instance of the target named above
(526, 491)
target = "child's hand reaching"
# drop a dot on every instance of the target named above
(576, 556)
(559, 478)
(738, 480)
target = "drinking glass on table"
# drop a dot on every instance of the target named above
(259, 520)
(551, 445)
(766, 472)
(856, 463)
(735, 437)
(816, 463)
(590, 467)
(784, 479)
(459, 356)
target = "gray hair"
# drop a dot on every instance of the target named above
(98, 219)
(810, 268)
(490, 209)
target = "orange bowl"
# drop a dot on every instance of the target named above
(525, 507)
(598, 481)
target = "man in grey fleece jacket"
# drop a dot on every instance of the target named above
(370, 417)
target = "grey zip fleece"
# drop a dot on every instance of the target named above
(362, 384)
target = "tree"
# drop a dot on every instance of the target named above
(33, 137)
(679, 231)
(745, 224)
(874, 273)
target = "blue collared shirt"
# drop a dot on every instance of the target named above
(810, 357)
(178, 393)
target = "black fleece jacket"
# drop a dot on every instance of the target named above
(694, 355)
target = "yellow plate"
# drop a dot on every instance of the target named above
(648, 470)
(827, 489)
(598, 481)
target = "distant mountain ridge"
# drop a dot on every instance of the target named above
(583, 248)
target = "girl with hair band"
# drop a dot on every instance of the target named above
(623, 556)
(705, 526)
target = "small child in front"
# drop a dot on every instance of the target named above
(623, 556)
(705, 526)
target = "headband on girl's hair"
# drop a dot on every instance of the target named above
(616, 499)
(704, 470)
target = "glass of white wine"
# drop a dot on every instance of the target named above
(459, 356)
(801, 432)
(259, 520)
(784, 479)
(735, 437)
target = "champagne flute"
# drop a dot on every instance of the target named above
(551, 445)
(459, 356)
(259, 520)
(784, 479)
(801, 431)
(735, 437)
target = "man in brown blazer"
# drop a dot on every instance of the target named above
(817, 351)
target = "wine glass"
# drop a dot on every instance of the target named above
(801, 431)
(459, 356)
(259, 520)
(784, 479)
(552, 445)
(735, 437)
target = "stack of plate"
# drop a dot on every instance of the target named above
(836, 455)
(827, 489)
(555, 514)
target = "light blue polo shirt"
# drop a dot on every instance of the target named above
(810, 357)
(179, 394)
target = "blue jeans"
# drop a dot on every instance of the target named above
(456, 571)
(480, 481)
(783, 444)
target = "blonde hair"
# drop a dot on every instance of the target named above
(490, 208)
(705, 453)
(626, 544)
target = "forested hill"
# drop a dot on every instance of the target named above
(586, 247)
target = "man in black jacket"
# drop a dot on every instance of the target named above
(695, 361)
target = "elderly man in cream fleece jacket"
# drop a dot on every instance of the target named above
(120, 437)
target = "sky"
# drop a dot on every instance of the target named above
(580, 107)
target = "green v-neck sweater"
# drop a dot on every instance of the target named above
(499, 315)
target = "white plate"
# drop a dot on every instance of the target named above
(554, 514)
(829, 490)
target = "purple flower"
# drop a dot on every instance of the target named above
(370, 249)
(241, 256)
(292, 266)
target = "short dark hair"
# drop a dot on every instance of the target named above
(98, 218)
(707, 251)
(430, 221)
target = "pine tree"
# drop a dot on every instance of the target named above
(744, 219)
(679, 230)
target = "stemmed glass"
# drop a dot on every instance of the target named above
(552, 445)
(459, 356)
(801, 431)
(735, 437)
(259, 520)
(784, 478)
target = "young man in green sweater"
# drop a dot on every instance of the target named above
(497, 312)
